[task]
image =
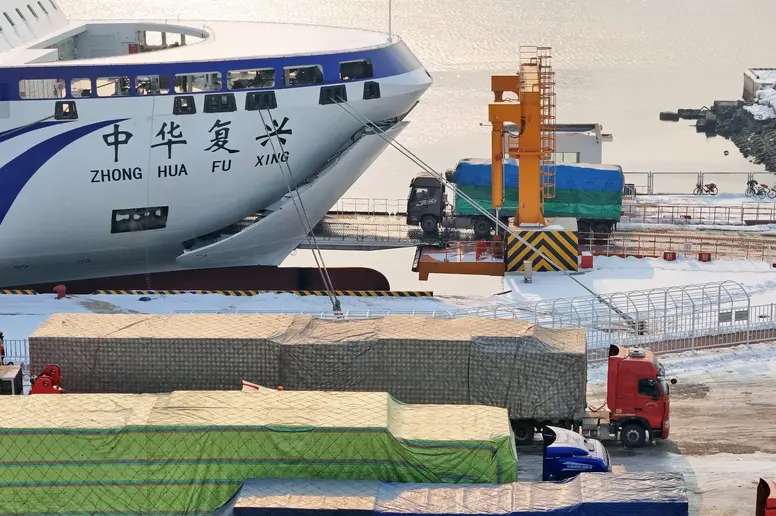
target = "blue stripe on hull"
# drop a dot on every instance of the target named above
(13, 133)
(15, 174)
(387, 61)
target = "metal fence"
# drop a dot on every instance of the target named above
(665, 183)
(687, 244)
(747, 213)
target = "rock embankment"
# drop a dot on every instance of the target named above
(755, 136)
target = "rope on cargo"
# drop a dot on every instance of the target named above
(342, 103)
(292, 187)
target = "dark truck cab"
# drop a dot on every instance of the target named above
(427, 207)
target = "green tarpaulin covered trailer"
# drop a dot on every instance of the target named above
(189, 451)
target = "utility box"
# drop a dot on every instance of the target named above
(10, 380)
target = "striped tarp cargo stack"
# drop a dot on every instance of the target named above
(536, 373)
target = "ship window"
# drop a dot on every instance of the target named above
(9, 19)
(184, 106)
(112, 86)
(371, 90)
(152, 84)
(258, 100)
(21, 15)
(65, 110)
(301, 75)
(139, 219)
(32, 11)
(194, 82)
(42, 8)
(333, 95)
(245, 79)
(220, 103)
(42, 89)
(81, 88)
(354, 70)
(54, 5)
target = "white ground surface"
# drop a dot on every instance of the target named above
(20, 315)
(611, 275)
(721, 199)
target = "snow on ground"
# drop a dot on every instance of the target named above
(745, 360)
(20, 315)
(764, 108)
(611, 274)
(760, 229)
(734, 200)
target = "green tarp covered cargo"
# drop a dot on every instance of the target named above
(578, 204)
(188, 452)
(582, 191)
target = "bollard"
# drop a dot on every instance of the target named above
(61, 291)
(528, 271)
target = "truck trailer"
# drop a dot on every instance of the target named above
(538, 374)
(591, 194)
(610, 494)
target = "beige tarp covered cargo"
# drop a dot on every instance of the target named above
(536, 373)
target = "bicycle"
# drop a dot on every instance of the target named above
(761, 190)
(709, 188)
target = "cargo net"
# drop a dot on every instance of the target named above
(390, 399)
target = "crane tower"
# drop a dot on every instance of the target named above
(533, 111)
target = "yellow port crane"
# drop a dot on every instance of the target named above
(534, 146)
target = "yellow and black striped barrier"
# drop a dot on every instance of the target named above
(366, 293)
(243, 293)
(562, 247)
(17, 292)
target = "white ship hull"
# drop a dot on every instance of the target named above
(65, 182)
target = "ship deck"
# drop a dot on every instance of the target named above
(221, 40)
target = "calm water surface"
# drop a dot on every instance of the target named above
(617, 63)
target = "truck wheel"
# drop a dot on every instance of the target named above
(603, 229)
(429, 224)
(633, 435)
(524, 432)
(481, 227)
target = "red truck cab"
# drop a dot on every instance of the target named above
(637, 396)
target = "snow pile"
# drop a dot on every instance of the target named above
(747, 359)
(763, 109)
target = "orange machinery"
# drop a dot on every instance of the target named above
(534, 115)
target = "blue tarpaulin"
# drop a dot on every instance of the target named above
(600, 178)
(610, 494)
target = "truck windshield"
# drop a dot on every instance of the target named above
(420, 193)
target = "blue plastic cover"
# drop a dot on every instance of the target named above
(626, 494)
(581, 176)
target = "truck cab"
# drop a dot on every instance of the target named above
(426, 203)
(566, 454)
(638, 396)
